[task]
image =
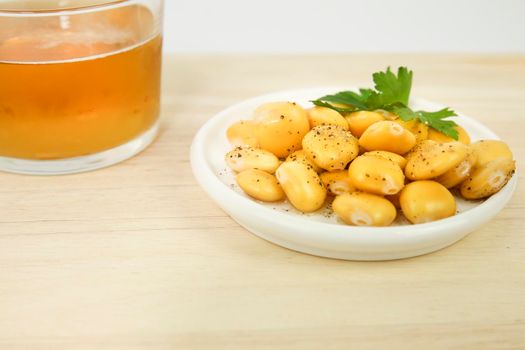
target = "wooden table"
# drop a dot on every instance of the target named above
(138, 257)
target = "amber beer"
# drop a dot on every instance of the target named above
(77, 85)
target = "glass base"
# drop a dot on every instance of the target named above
(80, 164)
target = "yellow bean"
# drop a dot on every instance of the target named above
(430, 159)
(280, 127)
(417, 128)
(260, 185)
(437, 136)
(489, 150)
(242, 134)
(330, 147)
(363, 209)
(337, 182)
(300, 156)
(323, 115)
(387, 136)
(387, 115)
(376, 175)
(488, 179)
(302, 186)
(358, 122)
(244, 158)
(394, 157)
(460, 172)
(425, 201)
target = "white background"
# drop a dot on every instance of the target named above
(290, 26)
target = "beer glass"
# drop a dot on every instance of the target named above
(79, 83)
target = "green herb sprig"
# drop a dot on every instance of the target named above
(391, 93)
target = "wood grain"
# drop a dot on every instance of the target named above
(136, 256)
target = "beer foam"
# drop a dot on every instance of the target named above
(71, 38)
(75, 50)
(91, 37)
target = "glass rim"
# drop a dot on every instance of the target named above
(64, 10)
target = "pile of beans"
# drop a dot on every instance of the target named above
(372, 162)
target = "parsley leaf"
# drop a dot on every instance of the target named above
(441, 114)
(437, 121)
(354, 99)
(342, 110)
(404, 113)
(392, 93)
(390, 88)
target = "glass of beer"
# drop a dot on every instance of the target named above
(79, 83)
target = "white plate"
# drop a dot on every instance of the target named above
(321, 233)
